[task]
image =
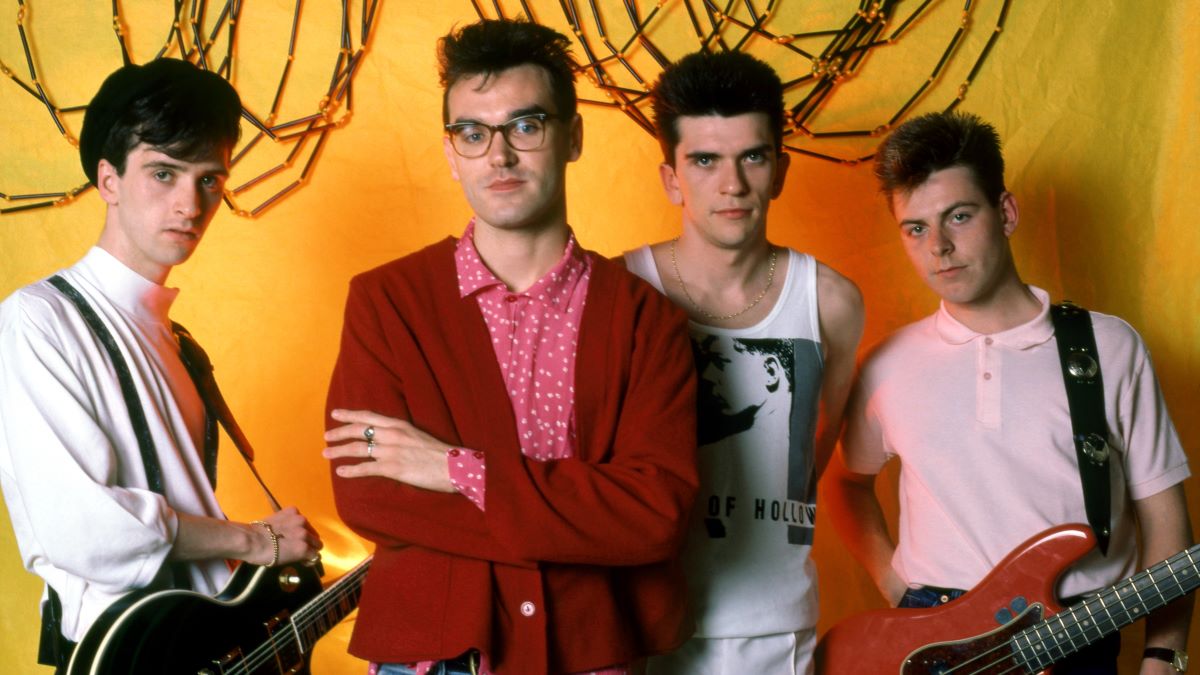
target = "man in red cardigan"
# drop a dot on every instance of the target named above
(529, 464)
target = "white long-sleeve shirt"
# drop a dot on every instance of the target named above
(85, 518)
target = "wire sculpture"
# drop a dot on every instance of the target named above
(206, 33)
(617, 67)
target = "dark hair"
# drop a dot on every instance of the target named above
(168, 104)
(780, 349)
(715, 83)
(494, 45)
(936, 141)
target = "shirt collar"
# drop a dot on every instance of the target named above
(144, 299)
(554, 288)
(1032, 333)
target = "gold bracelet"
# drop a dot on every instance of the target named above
(274, 540)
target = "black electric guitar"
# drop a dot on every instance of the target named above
(265, 620)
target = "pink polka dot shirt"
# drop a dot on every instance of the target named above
(534, 334)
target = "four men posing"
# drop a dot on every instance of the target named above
(515, 421)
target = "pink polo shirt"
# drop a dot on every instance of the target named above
(534, 335)
(982, 429)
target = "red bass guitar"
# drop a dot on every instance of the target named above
(1011, 622)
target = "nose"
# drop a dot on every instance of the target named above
(733, 181)
(500, 153)
(187, 199)
(940, 243)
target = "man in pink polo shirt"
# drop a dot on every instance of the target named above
(528, 469)
(972, 402)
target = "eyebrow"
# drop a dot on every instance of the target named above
(760, 149)
(519, 112)
(178, 166)
(942, 215)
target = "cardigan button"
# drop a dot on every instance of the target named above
(528, 608)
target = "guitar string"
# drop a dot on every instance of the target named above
(270, 649)
(1055, 639)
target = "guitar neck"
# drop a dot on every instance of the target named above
(1040, 646)
(323, 612)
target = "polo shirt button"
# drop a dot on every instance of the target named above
(454, 452)
(528, 608)
(478, 454)
(987, 341)
(510, 298)
(987, 376)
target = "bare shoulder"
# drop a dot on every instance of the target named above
(839, 301)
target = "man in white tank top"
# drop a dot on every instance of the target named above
(774, 371)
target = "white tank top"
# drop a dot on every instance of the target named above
(747, 553)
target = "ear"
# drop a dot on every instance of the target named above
(576, 138)
(774, 370)
(782, 162)
(452, 157)
(670, 182)
(108, 181)
(1009, 212)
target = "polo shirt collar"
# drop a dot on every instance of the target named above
(1032, 333)
(554, 288)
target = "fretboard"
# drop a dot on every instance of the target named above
(1044, 644)
(324, 612)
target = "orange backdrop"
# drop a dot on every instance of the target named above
(1099, 108)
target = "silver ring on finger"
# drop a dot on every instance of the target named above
(370, 449)
(369, 434)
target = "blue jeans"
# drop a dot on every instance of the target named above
(1098, 658)
(457, 666)
(439, 668)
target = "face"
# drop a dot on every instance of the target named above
(956, 239)
(159, 209)
(726, 173)
(506, 188)
(723, 355)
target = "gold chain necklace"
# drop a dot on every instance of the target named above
(723, 317)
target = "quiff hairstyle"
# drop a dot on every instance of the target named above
(492, 46)
(715, 83)
(935, 141)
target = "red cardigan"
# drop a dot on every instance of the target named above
(573, 565)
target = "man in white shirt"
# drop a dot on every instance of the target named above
(774, 334)
(972, 402)
(108, 479)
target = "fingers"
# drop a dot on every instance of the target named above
(364, 418)
(356, 450)
(298, 540)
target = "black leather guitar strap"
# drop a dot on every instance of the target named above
(1089, 425)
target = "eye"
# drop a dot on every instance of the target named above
(915, 230)
(703, 160)
(162, 175)
(212, 183)
(960, 217)
(525, 126)
(471, 134)
(755, 157)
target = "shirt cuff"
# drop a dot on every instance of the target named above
(467, 471)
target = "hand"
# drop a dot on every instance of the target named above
(401, 451)
(298, 541)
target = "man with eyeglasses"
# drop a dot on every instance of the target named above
(530, 462)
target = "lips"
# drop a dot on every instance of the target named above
(505, 184)
(949, 271)
(733, 213)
